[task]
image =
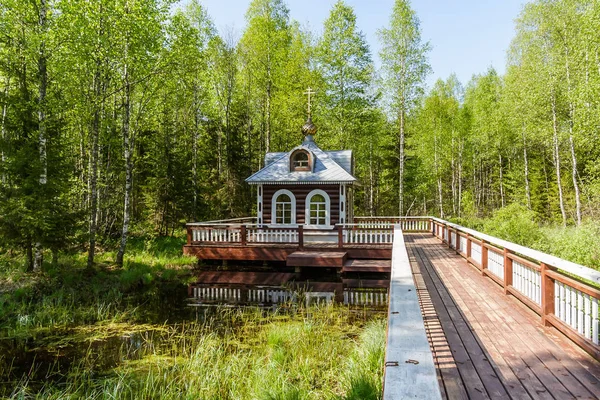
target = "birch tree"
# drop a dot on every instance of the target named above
(404, 69)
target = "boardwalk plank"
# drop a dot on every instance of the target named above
(486, 344)
(477, 355)
(448, 376)
(562, 383)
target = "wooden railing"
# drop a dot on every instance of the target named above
(367, 231)
(353, 234)
(409, 368)
(207, 293)
(554, 288)
(408, 224)
(366, 297)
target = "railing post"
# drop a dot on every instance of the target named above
(243, 238)
(508, 271)
(300, 237)
(547, 294)
(189, 234)
(484, 256)
(468, 246)
(340, 229)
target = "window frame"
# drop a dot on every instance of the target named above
(275, 202)
(327, 211)
(301, 168)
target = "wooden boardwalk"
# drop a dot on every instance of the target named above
(487, 345)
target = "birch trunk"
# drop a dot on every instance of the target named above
(3, 128)
(526, 163)
(460, 168)
(439, 178)
(371, 179)
(195, 136)
(571, 141)
(127, 155)
(453, 169)
(93, 174)
(501, 181)
(401, 163)
(556, 156)
(43, 76)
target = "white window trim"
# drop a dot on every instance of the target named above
(274, 208)
(327, 209)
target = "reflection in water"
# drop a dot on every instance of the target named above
(263, 290)
(36, 361)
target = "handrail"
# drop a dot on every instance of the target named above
(565, 265)
(409, 369)
(567, 302)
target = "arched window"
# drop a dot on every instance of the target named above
(317, 208)
(300, 161)
(283, 208)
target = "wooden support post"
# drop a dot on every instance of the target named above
(508, 271)
(243, 295)
(300, 237)
(484, 256)
(189, 234)
(243, 238)
(340, 236)
(547, 295)
(468, 246)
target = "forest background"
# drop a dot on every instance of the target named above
(132, 117)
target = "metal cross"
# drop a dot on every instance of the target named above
(308, 92)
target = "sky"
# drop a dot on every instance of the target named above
(466, 36)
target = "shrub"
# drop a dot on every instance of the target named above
(514, 223)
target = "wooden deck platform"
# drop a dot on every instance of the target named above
(367, 266)
(487, 345)
(317, 259)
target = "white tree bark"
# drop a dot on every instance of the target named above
(556, 156)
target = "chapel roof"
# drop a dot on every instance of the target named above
(331, 167)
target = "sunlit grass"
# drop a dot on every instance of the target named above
(319, 353)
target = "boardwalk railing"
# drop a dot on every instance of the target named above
(366, 297)
(240, 231)
(409, 369)
(408, 224)
(210, 293)
(554, 288)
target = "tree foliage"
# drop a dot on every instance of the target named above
(134, 116)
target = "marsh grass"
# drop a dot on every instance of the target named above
(68, 294)
(320, 353)
(106, 320)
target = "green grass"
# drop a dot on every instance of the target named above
(68, 294)
(321, 353)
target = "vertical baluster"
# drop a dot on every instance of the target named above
(568, 304)
(563, 302)
(573, 308)
(556, 299)
(595, 320)
(580, 312)
(528, 282)
(587, 318)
